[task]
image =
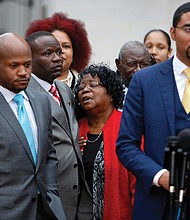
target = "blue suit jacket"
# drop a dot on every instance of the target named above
(149, 110)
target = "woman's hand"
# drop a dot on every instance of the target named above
(82, 143)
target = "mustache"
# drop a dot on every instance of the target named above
(22, 78)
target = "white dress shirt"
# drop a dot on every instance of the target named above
(180, 77)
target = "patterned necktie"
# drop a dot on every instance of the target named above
(54, 92)
(25, 123)
(186, 94)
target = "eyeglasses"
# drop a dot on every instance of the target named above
(135, 64)
(90, 85)
(185, 28)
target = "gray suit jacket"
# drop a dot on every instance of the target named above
(73, 190)
(20, 179)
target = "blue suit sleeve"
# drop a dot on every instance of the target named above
(130, 135)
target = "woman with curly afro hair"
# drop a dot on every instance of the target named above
(100, 92)
(73, 39)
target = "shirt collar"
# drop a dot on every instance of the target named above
(9, 95)
(178, 66)
(43, 83)
(68, 79)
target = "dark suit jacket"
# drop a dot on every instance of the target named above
(20, 179)
(149, 109)
(73, 189)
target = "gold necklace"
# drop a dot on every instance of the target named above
(95, 139)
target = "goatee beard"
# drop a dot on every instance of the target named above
(188, 53)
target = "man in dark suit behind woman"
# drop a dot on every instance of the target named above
(28, 186)
(153, 108)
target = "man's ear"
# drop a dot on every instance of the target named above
(172, 33)
(117, 63)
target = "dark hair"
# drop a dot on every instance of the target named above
(31, 38)
(178, 13)
(166, 35)
(76, 31)
(110, 80)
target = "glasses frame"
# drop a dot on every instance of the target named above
(185, 28)
(136, 64)
(89, 86)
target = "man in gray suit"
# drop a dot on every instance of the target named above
(73, 190)
(28, 183)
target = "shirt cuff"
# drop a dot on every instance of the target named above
(157, 177)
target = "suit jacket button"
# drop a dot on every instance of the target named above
(33, 199)
(75, 165)
(74, 186)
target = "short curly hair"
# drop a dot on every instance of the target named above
(110, 80)
(76, 31)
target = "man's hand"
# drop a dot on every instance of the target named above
(164, 180)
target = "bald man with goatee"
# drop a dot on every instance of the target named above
(28, 166)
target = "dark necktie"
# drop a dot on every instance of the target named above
(25, 123)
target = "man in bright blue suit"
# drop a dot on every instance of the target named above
(153, 108)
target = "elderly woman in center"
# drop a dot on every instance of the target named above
(99, 93)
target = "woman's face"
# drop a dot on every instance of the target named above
(157, 45)
(93, 97)
(67, 48)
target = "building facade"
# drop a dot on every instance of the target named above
(109, 23)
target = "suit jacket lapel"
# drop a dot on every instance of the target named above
(35, 104)
(167, 85)
(62, 121)
(67, 105)
(9, 115)
(56, 109)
